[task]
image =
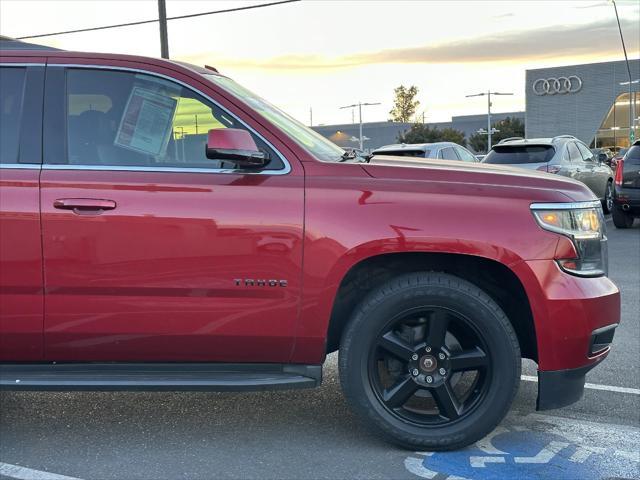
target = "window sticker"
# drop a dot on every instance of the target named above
(146, 122)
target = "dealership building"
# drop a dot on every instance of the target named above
(589, 101)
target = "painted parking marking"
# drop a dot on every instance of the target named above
(536, 447)
(545, 455)
(481, 462)
(24, 473)
(593, 386)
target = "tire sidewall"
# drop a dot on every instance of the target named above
(621, 219)
(608, 205)
(488, 322)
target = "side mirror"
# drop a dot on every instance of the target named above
(234, 145)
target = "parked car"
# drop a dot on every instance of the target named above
(619, 155)
(351, 152)
(563, 155)
(626, 192)
(439, 150)
(140, 250)
(603, 155)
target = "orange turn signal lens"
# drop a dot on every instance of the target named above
(551, 218)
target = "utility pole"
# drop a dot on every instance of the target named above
(311, 116)
(162, 19)
(488, 93)
(360, 105)
(632, 103)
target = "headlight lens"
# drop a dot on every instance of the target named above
(583, 223)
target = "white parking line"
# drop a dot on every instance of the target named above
(593, 386)
(23, 473)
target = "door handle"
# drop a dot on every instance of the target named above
(84, 205)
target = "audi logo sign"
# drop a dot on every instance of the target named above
(551, 86)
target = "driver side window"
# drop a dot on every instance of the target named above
(117, 118)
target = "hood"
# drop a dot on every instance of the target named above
(541, 186)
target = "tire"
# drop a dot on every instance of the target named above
(607, 202)
(469, 313)
(621, 219)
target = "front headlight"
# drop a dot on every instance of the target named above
(583, 223)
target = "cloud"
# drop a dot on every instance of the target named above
(595, 39)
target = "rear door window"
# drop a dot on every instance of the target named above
(519, 154)
(12, 82)
(572, 153)
(465, 155)
(587, 155)
(448, 153)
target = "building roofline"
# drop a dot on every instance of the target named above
(631, 60)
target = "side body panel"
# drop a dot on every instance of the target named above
(405, 214)
(21, 295)
(21, 298)
(154, 279)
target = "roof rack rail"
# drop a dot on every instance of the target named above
(563, 136)
(510, 139)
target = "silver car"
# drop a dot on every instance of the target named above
(562, 155)
(441, 150)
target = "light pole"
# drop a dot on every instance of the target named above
(632, 115)
(162, 20)
(360, 105)
(488, 93)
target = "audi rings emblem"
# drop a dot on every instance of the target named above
(551, 86)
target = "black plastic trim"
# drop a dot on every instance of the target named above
(559, 388)
(601, 339)
(158, 376)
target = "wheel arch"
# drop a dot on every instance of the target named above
(494, 277)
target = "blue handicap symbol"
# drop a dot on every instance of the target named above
(530, 455)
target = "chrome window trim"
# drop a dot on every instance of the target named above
(282, 171)
(28, 166)
(21, 64)
(133, 168)
(566, 206)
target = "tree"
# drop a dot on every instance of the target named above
(421, 133)
(404, 103)
(509, 127)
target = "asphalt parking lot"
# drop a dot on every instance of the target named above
(312, 434)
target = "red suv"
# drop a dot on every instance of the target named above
(163, 228)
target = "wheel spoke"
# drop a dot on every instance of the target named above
(473, 359)
(398, 395)
(437, 329)
(446, 400)
(396, 346)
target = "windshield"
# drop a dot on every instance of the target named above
(518, 154)
(316, 144)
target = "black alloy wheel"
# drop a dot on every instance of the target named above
(429, 367)
(607, 204)
(430, 361)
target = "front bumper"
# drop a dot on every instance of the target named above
(574, 320)
(559, 388)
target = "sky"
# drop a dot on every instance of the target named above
(324, 54)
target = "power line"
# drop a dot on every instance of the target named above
(142, 22)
